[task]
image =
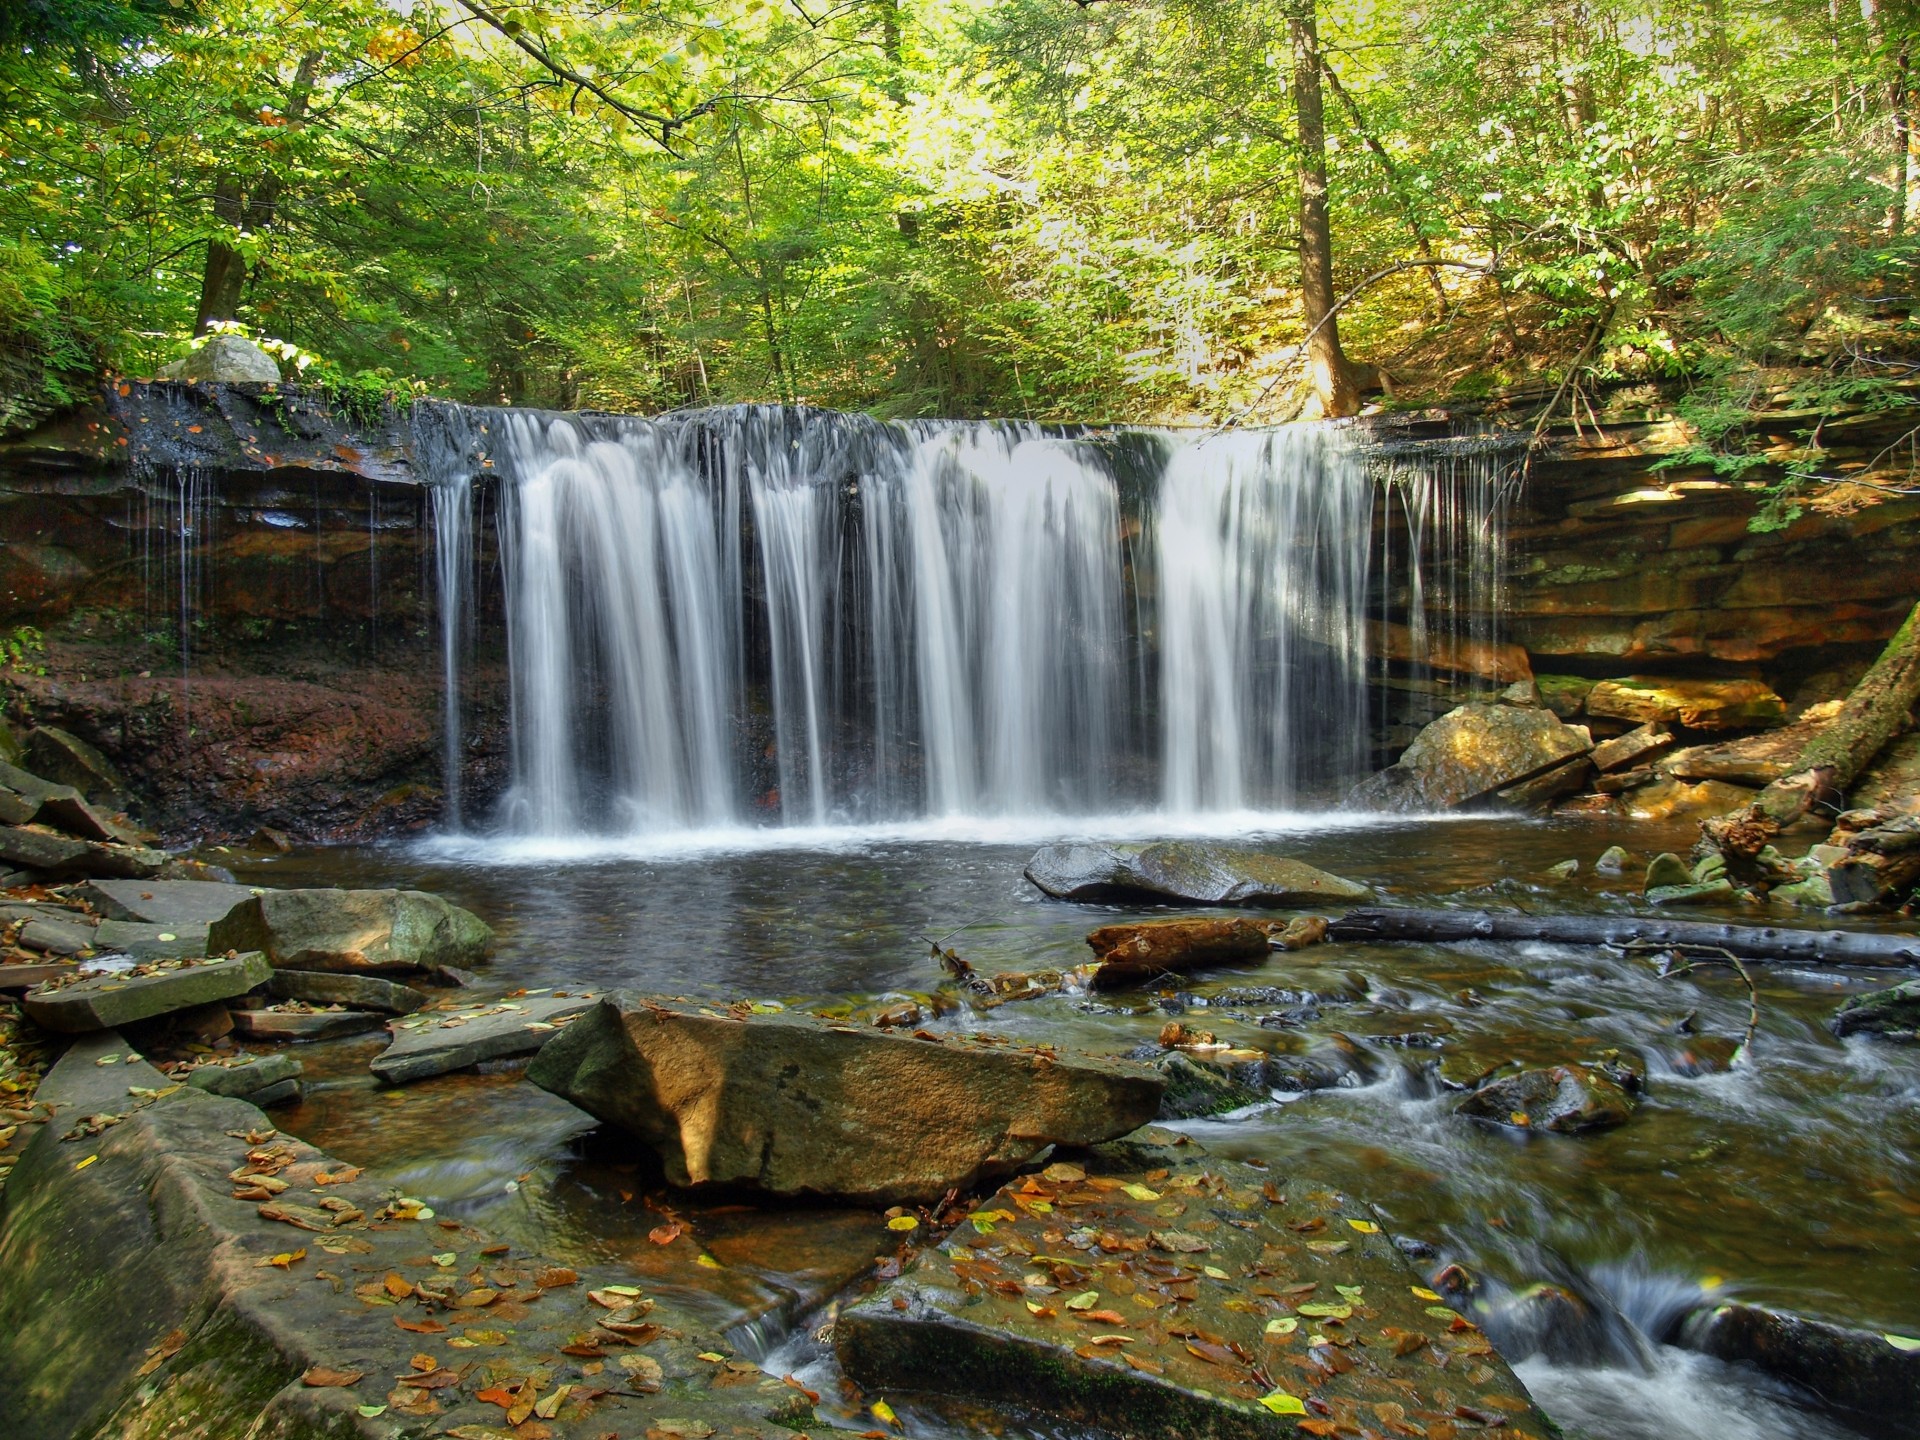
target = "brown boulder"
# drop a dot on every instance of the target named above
(1135, 952)
(795, 1105)
(1471, 753)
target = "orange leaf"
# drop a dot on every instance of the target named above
(321, 1377)
(421, 1327)
(666, 1234)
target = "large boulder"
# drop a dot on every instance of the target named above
(1470, 753)
(794, 1105)
(1185, 871)
(1696, 704)
(1888, 1014)
(1872, 1374)
(225, 359)
(359, 930)
(68, 760)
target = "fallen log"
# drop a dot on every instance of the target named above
(1749, 942)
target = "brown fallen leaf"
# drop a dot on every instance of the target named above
(170, 1345)
(555, 1276)
(303, 1216)
(397, 1285)
(1147, 1367)
(643, 1373)
(322, 1377)
(1213, 1354)
(666, 1234)
(421, 1327)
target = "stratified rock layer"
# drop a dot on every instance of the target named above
(357, 930)
(1183, 871)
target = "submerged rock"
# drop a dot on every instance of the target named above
(1886, 1014)
(1195, 1296)
(1132, 953)
(1196, 1089)
(1666, 870)
(794, 1105)
(1566, 1099)
(1696, 704)
(442, 1041)
(103, 1002)
(1187, 871)
(357, 930)
(1470, 753)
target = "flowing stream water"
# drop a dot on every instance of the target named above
(792, 692)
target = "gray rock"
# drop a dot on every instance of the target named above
(1566, 1099)
(150, 942)
(68, 760)
(1196, 1089)
(352, 930)
(106, 1001)
(57, 937)
(257, 1072)
(1860, 1371)
(304, 1024)
(176, 904)
(1186, 871)
(1470, 753)
(1710, 892)
(441, 1041)
(1666, 870)
(791, 1104)
(225, 359)
(75, 816)
(360, 992)
(18, 979)
(1886, 1014)
(1636, 747)
(1530, 797)
(16, 809)
(276, 1094)
(1565, 870)
(65, 855)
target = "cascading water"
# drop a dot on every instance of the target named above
(766, 615)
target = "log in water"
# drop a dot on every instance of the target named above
(1748, 942)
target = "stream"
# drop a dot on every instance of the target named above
(1791, 1179)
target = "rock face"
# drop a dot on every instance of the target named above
(1565, 1099)
(1881, 864)
(105, 1001)
(1696, 704)
(1887, 1014)
(355, 930)
(793, 1105)
(1183, 871)
(1175, 1323)
(1129, 954)
(69, 760)
(1469, 754)
(227, 359)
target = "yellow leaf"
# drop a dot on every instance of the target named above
(1440, 1312)
(1420, 1292)
(1216, 1272)
(86, 1162)
(713, 1357)
(903, 1223)
(1365, 1227)
(1141, 1192)
(1281, 1403)
(707, 1260)
(883, 1412)
(1086, 1300)
(1906, 1344)
(1285, 1325)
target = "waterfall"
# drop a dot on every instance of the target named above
(764, 615)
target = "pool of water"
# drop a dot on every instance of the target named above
(1792, 1179)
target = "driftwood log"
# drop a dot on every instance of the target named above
(1749, 942)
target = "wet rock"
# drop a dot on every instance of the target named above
(1665, 798)
(1299, 933)
(361, 992)
(1750, 760)
(1530, 797)
(1881, 865)
(1133, 953)
(1696, 704)
(1154, 1317)
(1636, 747)
(104, 1002)
(285, 1024)
(1709, 892)
(175, 904)
(1885, 1014)
(791, 1104)
(1565, 870)
(1564, 695)
(57, 854)
(150, 942)
(1698, 1055)
(1337, 1062)
(68, 760)
(276, 842)
(1666, 870)
(225, 360)
(1196, 1088)
(278, 1093)
(1612, 861)
(1469, 754)
(442, 1041)
(1187, 871)
(244, 1076)
(1858, 1371)
(352, 930)
(1815, 892)
(1566, 1099)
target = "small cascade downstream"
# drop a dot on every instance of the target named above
(776, 617)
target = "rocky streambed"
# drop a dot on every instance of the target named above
(1358, 1177)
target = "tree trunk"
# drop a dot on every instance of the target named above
(896, 84)
(1875, 712)
(1333, 382)
(1749, 942)
(223, 281)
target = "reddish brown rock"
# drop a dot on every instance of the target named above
(1132, 953)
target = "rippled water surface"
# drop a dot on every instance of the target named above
(1792, 1179)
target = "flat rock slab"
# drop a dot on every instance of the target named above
(242, 1079)
(172, 903)
(57, 937)
(304, 1024)
(150, 942)
(1132, 953)
(365, 931)
(1155, 1291)
(441, 1041)
(795, 1105)
(102, 1002)
(38, 849)
(363, 992)
(17, 979)
(149, 1293)
(1184, 871)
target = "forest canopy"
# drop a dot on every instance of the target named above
(1097, 209)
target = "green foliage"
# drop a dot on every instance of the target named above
(19, 649)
